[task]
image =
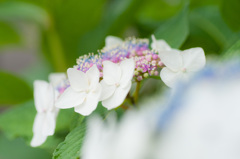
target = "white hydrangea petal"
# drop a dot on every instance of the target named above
(38, 123)
(112, 41)
(107, 90)
(169, 77)
(127, 67)
(70, 98)
(43, 95)
(171, 59)
(38, 139)
(93, 76)
(159, 45)
(90, 103)
(78, 79)
(49, 124)
(56, 78)
(111, 72)
(193, 59)
(117, 98)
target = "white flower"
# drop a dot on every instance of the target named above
(180, 64)
(203, 120)
(44, 98)
(116, 82)
(112, 41)
(159, 45)
(84, 91)
(129, 139)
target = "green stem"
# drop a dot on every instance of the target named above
(136, 94)
(56, 49)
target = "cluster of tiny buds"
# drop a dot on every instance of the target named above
(147, 61)
(147, 65)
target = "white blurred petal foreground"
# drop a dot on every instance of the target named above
(202, 121)
(44, 98)
(127, 140)
(116, 82)
(84, 91)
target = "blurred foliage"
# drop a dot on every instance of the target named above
(13, 89)
(176, 26)
(17, 149)
(68, 29)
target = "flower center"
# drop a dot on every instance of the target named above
(117, 84)
(184, 70)
(87, 91)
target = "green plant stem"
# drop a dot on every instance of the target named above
(136, 94)
(56, 49)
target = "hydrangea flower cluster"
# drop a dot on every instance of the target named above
(107, 77)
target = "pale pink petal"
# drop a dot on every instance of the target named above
(70, 98)
(43, 95)
(111, 72)
(107, 90)
(93, 76)
(90, 103)
(117, 98)
(78, 79)
(193, 59)
(38, 139)
(169, 77)
(56, 78)
(127, 68)
(171, 59)
(112, 41)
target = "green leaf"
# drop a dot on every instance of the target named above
(116, 17)
(18, 122)
(209, 20)
(230, 9)
(233, 52)
(17, 149)
(175, 30)
(8, 34)
(24, 11)
(70, 147)
(13, 89)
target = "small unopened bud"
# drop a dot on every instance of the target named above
(136, 73)
(145, 75)
(139, 78)
(160, 63)
(156, 73)
(152, 72)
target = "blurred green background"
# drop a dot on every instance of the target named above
(42, 36)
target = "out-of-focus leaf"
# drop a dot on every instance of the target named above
(175, 30)
(116, 17)
(230, 10)
(209, 20)
(13, 90)
(39, 71)
(8, 35)
(233, 52)
(70, 147)
(18, 122)
(15, 11)
(71, 20)
(17, 149)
